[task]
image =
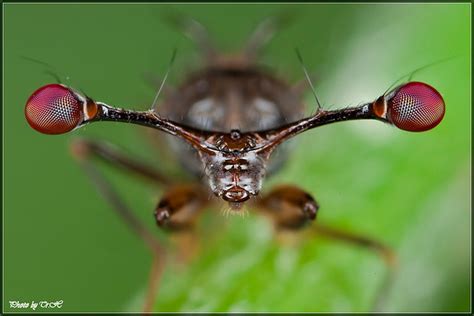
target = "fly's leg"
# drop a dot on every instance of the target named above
(291, 208)
(265, 31)
(262, 34)
(180, 206)
(108, 153)
(195, 31)
(380, 249)
(84, 151)
(178, 211)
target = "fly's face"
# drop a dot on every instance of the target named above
(234, 177)
(234, 169)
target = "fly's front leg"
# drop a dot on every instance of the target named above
(178, 211)
(289, 207)
(292, 208)
(194, 30)
(84, 151)
(82, 148)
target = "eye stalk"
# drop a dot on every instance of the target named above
(54, 109)
(415, 107)
(58, 109)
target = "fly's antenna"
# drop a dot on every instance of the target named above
(298, 54)
(155, 100)
(410, 75)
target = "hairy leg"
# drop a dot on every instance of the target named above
(84, 151)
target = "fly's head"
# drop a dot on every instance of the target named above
(234, 162)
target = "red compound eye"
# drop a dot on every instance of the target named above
(415, 107)
(53, 109)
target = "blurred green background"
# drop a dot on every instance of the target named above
(409, 190)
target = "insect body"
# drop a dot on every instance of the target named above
(231, 98)
(226, 122)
